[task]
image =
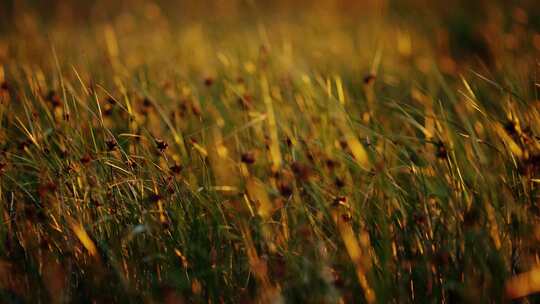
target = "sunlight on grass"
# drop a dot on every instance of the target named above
(246, 151)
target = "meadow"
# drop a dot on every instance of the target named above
(234, 151)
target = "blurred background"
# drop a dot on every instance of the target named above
(459, 30)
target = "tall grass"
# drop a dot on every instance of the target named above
(317, 157)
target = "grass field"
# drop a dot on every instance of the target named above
(271, 152)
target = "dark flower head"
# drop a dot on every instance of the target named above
(208, 81)
(111, 101)
(248, 158)
(339, 201)
(441, 150)
(288, 141)
(340, 183)
(23, 144)
(147, 103)
(331, 164)
(161, 145)
(86, 159)
(54, 98)
(346, 217)
(4, 86)
(369, 78)
(510, 128)
(111, 144)
(46, 188)
(176, 169)
(154, 198)
(302, 171)
(419, 218)
(285, 189)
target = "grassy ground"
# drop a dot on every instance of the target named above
(251, 152)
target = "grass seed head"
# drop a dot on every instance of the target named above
(54, 99)
(369, 79)
(85, 159)
(441, 152)
(176, 169)
(302, 171)
(111, 145)
(248, 158)
(154, 198)
(161, 145)
(208, 81)
(147, 103)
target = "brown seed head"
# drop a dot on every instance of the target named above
(111, 145)
(369, 79)
(248, 158)
(161, 145)
(176, 169)
(86, 159)
(208, 81)
(54, 98)
(302, 171)
(154, 197)
(147, 103)
(441, 150)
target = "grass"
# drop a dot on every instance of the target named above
(378, 152)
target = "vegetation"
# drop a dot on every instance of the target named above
(236, 151)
